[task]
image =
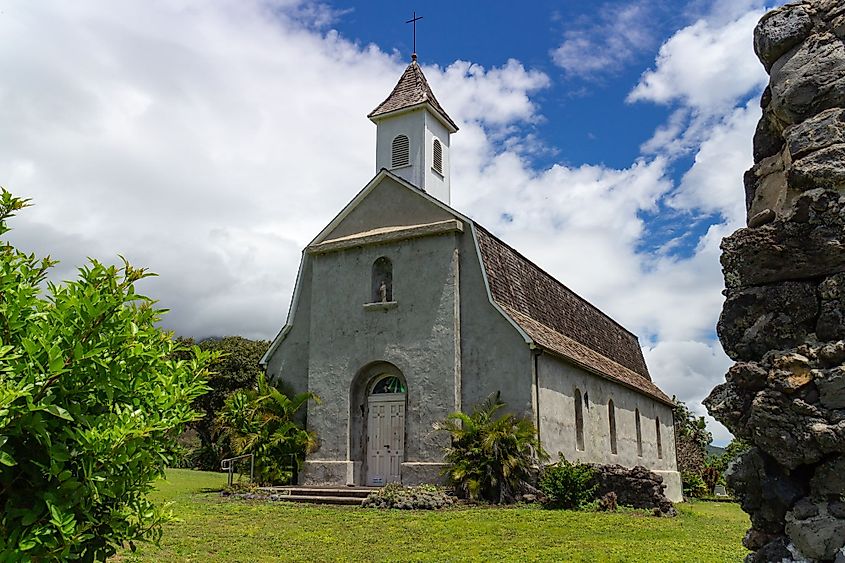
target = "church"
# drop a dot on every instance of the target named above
(406, 310)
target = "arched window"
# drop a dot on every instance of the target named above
(611, 416)
(437, 162)
(579, 421)
(659, 441)
(401, 151)
(382, 280)
(389, 384)
(639, 433)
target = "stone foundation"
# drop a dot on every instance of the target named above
(636, 487)
(337, 473)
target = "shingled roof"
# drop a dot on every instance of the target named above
(560, 321)
(412, 90)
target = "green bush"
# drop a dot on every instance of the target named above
(693, 485)
(261, 421)
(91, 403)
(235, 369)
(490, 458)
(568, 485)
(422, 497)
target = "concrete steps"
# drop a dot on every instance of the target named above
(321, 495)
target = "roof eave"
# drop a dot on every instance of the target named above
(444, 119)
(594, 371)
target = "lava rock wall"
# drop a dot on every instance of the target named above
(783, 321)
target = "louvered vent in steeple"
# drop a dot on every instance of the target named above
(401, 151)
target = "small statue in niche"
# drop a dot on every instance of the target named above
(382, 292)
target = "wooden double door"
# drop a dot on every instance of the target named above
(385, 438)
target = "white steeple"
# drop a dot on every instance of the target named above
(412, 134)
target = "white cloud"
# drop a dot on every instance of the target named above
(705, 66)
(712, 185)
(690, 369)
(194, 137)
(619, 33)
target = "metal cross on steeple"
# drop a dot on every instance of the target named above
(414, 21)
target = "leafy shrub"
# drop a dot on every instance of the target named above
(91, 403)
(422, 497)
(236, 368)
(568, 485)
(238, 488)
(693, 485)
(261, 421)
(490, 458)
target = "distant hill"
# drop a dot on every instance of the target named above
(714, 450)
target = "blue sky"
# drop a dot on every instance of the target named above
(211, 140)
(586, 116)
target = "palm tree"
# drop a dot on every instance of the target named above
(490, 458)
(261, 421)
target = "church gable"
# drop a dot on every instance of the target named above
(386, 204)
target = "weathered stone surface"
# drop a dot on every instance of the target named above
(831, 323)
(755, 539)
(766, 187)
(824, 168)
(832, 354)
(829, 478)
(796, 432)
(747, 375)
(776, 550)
(768, 138)
(816, 133)
(730, 405)
(762, 218)
(637, 487)
(831, 385)
(766, 492)
(810, 243)
(758, 319)
(819, 537)
(809, 79)
(805, 508)
(836, 508)
(779, 31)
(784, 316)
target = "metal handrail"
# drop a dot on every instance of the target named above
(228, 465)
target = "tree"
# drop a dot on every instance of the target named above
(90, 405)
(236, 368)
(490, 458)
(261, 421)
(691, 439)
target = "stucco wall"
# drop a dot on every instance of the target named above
(437, 184)
(412, 125)
(558, 381)
(417, 336)
(289, 362)
(494, 356)
(389, 205)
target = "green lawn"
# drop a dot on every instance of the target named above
(211, 528)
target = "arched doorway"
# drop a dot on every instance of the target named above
(385, 444)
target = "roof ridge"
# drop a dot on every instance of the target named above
(558, 282)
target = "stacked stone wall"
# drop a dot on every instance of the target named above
(783, 321)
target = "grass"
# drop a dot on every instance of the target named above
(212, 528)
